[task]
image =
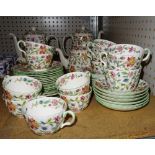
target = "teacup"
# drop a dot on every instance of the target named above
(125, 56)
(122, 79)
(74, 83)
(98, 46)
(21, 87)
(35, 48)
(39, 62)
(46, 115)
(77, 103)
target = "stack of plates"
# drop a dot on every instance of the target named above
(123, 101)
(48, 77)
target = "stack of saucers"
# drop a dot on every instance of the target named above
(48, 77)
(119, 100)
(75, 89)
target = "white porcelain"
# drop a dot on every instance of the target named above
(22, 87)
(74, 83)
(77, 103)
(46, 115)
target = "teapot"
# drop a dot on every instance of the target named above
(79, 39)
(79, 60)
(32, 36)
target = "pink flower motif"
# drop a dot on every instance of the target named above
(120, 48)
(54, 102)
(57, 119)
(33, 57)
(131, 49)
(72, 76)
(113, 74)
(82, 98)
(62, 80)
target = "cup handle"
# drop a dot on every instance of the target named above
(64, 45)
(23, 42)
(68, 123)
(101, 55)
(146, 50)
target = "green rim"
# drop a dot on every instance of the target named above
(119, 93)
(122, 107)
(120, 98)
(122, 104)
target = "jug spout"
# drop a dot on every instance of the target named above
(64, 61)
(19, 54)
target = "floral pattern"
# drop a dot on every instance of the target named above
(38, 38)
(15, 94)
(63, 80)
(77, 103)
(40, 62)
(126, 56)
(124, 80)
(53, 109)
(101, 86)
(15, 107)
(79, 61)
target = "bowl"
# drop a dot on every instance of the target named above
(77, 103)
(21, 87)
(75, 83)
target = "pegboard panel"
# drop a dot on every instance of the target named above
(52, 25)
(134, 30)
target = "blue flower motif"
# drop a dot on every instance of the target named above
(44, 128)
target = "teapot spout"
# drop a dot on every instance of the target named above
(64, 61)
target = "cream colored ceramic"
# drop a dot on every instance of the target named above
(125, 56)
(46, 115)
(74, 83)
(77, 103)
(122, 79)
(21, 87)
(15, 106)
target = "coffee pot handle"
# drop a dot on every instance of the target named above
(50, 37)
(68, 123)
(18, 43)
(65, 38)
(100, 34)
(101, 58)
(148, 52)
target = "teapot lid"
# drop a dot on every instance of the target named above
(83, 30)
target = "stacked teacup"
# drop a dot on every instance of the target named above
(95, 48)
(39, 56)
(74, 88)
(124, 65)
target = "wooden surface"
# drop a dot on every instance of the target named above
(94, 122)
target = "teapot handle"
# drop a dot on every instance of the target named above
(50, 37)
(64, 45)
(100, 34)
(23, 42)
